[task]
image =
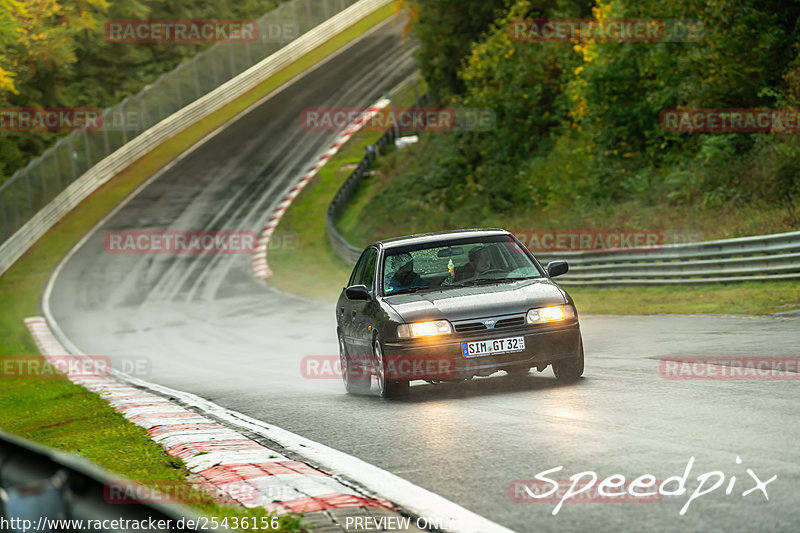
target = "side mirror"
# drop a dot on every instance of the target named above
(358, 292)
(556, 268)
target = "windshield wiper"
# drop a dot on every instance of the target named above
(483, 281)
(412, 289)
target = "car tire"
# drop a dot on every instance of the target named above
(387, 388)
(353, 385)
(567, 370)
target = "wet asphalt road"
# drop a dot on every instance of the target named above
(208, 327)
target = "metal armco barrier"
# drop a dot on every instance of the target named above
(36, 220)
(344, 249)
(40, 484)
(760, 258)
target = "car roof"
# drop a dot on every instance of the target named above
(439, 236)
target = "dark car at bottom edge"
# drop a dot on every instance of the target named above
(449, 306)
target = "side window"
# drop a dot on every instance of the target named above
(358, 269)
(367, 275)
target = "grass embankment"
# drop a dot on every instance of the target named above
(397, 207)
(315, 270)
(63, 415)
(377, 213)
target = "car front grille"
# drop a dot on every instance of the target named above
(479, 325)
(470, 326)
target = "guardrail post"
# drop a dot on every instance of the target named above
(159, 99)
(231, 62)
(28, 191)
(87, 149)
(4, 207)
(106, 145)
(196, 77)
(56, 166)
(176, 82)
(72, 156)
(123, 127)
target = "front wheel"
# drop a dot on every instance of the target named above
(569, 369)
(355, 377)
(388, 388)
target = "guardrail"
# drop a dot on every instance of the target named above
(344, 249)
(332, 17)
(759, 258)
(40, 484)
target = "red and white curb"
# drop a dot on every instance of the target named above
(236, 466)
(259, 261)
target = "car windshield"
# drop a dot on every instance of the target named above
(489, 261)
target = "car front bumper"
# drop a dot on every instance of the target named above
(442, 358)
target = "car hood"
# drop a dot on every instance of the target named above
(476, 302)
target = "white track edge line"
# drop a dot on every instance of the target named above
(410, 497)
(51, 281)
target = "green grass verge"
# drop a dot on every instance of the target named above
(312, 268)
(315, 271)
(751, 298)
(60, 414)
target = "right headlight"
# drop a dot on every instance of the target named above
(555, 313)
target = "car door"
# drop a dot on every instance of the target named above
(344, 307)
(364, 310)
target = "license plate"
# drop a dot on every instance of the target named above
(492, 347)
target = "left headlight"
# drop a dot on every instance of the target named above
(424, 329)
(556, 313)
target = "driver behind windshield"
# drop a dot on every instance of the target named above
(404, 276)
(479, 263)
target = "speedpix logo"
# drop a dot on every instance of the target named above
(587, 487)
